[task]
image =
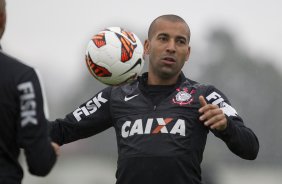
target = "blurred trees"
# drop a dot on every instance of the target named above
(254, 88)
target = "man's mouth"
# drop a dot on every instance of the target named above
(169, 60)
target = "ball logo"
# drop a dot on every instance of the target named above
(127, 48)
(96, 69)
(129, 35)
(99, 40)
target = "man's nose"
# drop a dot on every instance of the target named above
(170, 46)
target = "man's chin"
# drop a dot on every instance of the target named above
(168, 74)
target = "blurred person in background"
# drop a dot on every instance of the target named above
(22, 119)
(162, 118)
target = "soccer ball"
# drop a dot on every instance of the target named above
(114, 56)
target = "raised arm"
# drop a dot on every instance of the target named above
(223, 120)
(88, 119)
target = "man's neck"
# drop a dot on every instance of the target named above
(155, 80)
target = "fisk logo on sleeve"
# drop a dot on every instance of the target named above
(90, 107)
(27, 104)
(225, 107)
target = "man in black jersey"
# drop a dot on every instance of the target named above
(162, 118)
(22, 119)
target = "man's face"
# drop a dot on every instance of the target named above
(168, 48)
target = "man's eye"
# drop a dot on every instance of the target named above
(162, 38)
(181, 41)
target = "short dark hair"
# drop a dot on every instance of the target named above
(168, 17)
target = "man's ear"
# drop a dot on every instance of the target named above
(188, 53)
(146, 47)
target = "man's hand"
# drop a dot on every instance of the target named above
(56, 148)
(212, 115)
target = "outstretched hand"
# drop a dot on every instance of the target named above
(212, 116)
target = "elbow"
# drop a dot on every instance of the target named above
(43, 166)
(246, 151)
(252, 156)
(40, 171)
(252, 153)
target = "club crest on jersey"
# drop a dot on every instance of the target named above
(183, 96)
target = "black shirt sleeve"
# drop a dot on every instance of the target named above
(88, 119)
(32, 125)
(240, 139)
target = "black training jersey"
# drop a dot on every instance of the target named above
(160, 138)
(22, 122)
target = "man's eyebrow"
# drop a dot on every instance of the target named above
(182, 37)
(177, 37)
(162, 34)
